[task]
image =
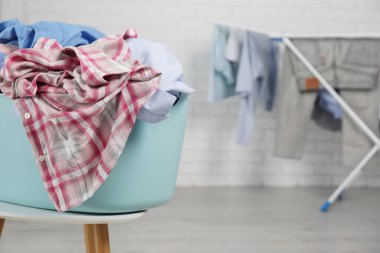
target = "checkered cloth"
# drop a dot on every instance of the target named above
(78, 106)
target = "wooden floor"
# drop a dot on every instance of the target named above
(225, 220)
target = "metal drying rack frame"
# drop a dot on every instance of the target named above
(286, 39)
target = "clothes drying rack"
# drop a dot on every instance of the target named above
(286, 39)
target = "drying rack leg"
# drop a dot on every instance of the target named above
(349, 180)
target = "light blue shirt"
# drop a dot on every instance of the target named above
(328, 103)
(158, 56)
(25, 36)
(256, 55)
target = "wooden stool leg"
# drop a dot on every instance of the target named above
(89, 236)
(97, 238)
(102, 238)
(2, 222)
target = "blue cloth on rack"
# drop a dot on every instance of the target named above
(223, 72)
(159, 57)
(328, 103)
(256, 81)
(25, 36)
(325, 119)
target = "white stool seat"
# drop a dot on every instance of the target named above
(23, 213)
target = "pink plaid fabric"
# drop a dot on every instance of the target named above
(78, 106)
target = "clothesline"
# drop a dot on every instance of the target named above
(280, 35)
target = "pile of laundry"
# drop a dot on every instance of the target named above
(79, 93)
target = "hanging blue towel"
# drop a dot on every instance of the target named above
(329, 104)
(25, 36)
(223, 72)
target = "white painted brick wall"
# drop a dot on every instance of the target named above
(210, 155)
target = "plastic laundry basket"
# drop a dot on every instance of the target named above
(144, 176)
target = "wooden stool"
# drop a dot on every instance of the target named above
(95, 225)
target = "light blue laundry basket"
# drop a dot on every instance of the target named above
(144, 176)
